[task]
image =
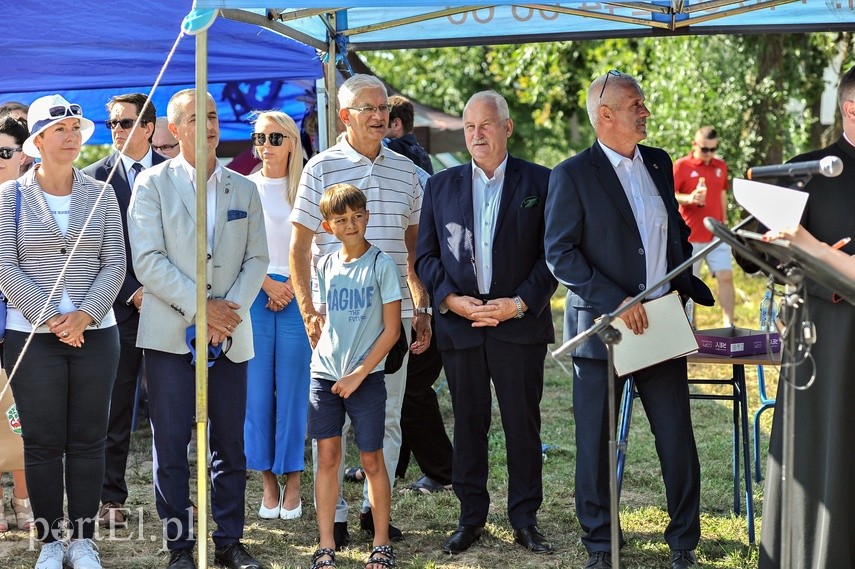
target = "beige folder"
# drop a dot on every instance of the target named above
(669, 335)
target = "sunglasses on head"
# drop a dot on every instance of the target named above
(7, 152)
(707, 149)
(71, 110)
(275, 138)
(611, 73)
(126, 124)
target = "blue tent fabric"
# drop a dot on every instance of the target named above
(90, 50)
(371, 25)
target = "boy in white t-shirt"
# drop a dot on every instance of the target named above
(360, 287)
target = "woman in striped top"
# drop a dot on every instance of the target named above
(62, 261)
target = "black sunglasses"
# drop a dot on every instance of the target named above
(71, 110)
(611, 73)
(259, 138)
(126, 124)
(706, 149)
(7, 152)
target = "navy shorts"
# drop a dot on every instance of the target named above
(366, 408)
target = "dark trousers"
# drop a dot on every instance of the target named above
(516, 371)
(171, 386)
(664, 392)
(422, 429)
(121, 411)
(63, 397)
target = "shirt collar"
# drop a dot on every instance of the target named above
(354, 156)
(616, 158)
(498, 175)
(847, 140)
(128, 162)
(191, 171)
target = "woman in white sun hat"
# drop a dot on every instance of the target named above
(62, 382)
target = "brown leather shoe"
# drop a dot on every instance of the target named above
(112, 515)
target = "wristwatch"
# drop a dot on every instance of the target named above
(425, 310)
(518, 302)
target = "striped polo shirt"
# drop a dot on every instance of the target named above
(390, 184)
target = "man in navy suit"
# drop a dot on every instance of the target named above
(134, 153)
(480, 256)
(612, 230)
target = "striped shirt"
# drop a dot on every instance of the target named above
(390, 184)
(34, 250)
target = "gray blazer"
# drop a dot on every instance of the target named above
(162, 231)
(33, 250)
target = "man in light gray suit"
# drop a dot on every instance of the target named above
(162, 226)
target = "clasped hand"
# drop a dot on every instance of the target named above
(482, 313)
(69, 327)
(222, 320)
(279, 294)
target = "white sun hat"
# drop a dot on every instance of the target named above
(49, 110)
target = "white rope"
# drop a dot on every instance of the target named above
(91, 213)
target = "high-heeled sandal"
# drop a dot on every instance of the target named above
(23, 512)
(4, 525)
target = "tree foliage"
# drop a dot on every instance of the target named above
(761, 92)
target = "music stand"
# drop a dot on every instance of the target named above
(794, 265)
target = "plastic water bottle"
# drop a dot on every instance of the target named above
(768, 312)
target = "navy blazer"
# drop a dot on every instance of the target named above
(100, 170)
(593, 245)
(445, 256)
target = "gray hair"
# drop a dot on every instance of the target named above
(493, 98)
(594, 101)
(355, 85)
(174, 107)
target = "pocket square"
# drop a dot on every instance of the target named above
(236, 214)
(531, 201)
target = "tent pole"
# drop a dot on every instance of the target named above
(201, 300)
(330, 78)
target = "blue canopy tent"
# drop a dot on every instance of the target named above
(90, 50)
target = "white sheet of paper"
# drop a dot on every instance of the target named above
(775, 207)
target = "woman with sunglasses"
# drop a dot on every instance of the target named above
(277, 398)
(12, 158)
(62, 261)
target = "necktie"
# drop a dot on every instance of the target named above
(135, 170)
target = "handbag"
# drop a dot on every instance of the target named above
(11, 441)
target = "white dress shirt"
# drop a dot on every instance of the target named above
(128, 163)
(211, 187)
(649, 212)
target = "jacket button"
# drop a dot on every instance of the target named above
(62, 250)
(227, 190)
(641, 287)
(209, 256)
(208, 287)
(641, 251)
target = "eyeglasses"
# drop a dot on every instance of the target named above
(163, 147)
(370, 109)
(126, 124)
(7, 152)
(275, 138)
(71, 110)
(611, 73)
(706, 149)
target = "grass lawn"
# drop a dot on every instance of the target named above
(427, 520)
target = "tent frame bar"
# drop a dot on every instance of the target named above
(273, 26)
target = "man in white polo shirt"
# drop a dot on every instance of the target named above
(391, 185)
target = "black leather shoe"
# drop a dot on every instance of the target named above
(462, 539)
(366, 523)
(181, 559)
(682, 558)
(235, 556)
(340, 535)
(599, 560)
(531, 538)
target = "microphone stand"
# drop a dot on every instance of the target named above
(610, 337)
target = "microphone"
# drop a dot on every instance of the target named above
(830, 166)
